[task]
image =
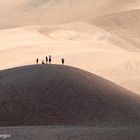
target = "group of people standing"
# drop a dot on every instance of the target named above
(48, 60)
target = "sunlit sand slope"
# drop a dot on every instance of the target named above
(124, 25)
(31, 12)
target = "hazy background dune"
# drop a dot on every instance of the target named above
(28, 12)
(123, 24)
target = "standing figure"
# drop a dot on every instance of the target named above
(37, 60)
(50, 59)
(63, 61)
(46, 59)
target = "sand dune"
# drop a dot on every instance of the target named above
(60, 95)
(29, 12)
(99, 36)
(123, 24)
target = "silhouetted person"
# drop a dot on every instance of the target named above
(50, 59)
(43, 62)
(46, 59)
(63, 61)
(37, 60)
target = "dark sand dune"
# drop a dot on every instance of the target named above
(71, 133)
(61, 95)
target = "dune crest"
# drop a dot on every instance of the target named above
(61, 95)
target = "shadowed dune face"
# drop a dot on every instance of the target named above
(90, 35)
(60, 95)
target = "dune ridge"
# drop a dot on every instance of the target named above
(62, 95)
(122, 24)
(38, 12)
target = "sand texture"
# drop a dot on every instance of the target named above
(61, 95)
(72, 133)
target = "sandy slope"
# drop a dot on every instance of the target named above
(60, 95)
(123, 24)
(71, 133)
(31, 12)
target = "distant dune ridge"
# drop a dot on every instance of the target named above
(123, 24)
(36, 12)
(62, 95)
